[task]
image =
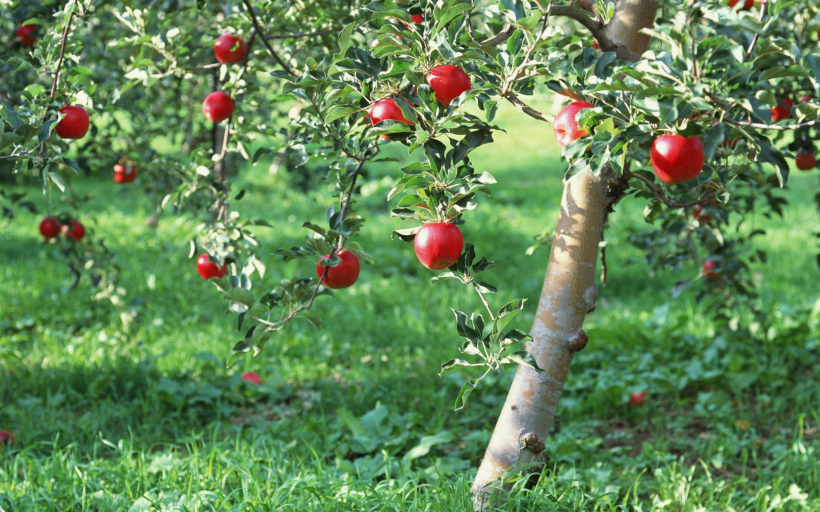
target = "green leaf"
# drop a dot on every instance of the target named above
(344, 37)
(525, 358)
(466, 389)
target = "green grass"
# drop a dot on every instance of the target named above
(354, 417)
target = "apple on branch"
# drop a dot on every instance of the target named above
(438, 245)
(217, 107)
(676, 158)
(343, 275)
(74, 123)
(50, 228)
(448, 82)
(565, 127)
(229, 48)
(208, 269)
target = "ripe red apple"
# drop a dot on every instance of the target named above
(252, 377)
(595, 44)
(229, 48)
(418, 19)
(805, 98)
(50, 228)
(75, 123)
(698, 214)
(709, 269)
(125, 173)
(438, 245)
(76, 232)
(747, 4)
(805, 160)
(783, 110)
(217, 107)
(208, 269)
(676, 158)
(25, 35)
(565, 127)
(637, 399)
(342, 275)
(448, 82)
(387, 110)
(7, 438)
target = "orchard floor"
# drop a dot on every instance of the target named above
(354, 417)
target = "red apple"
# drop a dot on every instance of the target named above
(709, 269)
(565, 127)
(125, 173)
(448, 82)
(342, 275)
(805, 98)
(387, 110)
(208, 269)
(50, 228)
(637, 399)
(783, 110)
(676, 158)
(217, 107)
(74, 124)
(252, 377)
(595, 44)
(747, 4)
(418, 19)
(76, 232)
(229, 48)
(805, 160)
(25, 35)
(699, 215)
(7, 438)
(438, 245)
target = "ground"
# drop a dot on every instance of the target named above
(354, 416)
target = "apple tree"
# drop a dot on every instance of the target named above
(693, 109)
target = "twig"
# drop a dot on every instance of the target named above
(62, 56)
(762, 126)
(486, 304)
(264, 40)
(517, 71)
(523, 107)
(659, 195)
(757, 35)
(56, 79)
(302, 34)
(24, 153)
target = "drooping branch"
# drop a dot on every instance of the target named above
(659, 195)
(526, 109)
(337, 247)
(270, 48)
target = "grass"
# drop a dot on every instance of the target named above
(354, 417)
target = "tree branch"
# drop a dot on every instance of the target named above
(258, 29)
(756, 37)
(762, 126)
(526, 109)
(659, 195)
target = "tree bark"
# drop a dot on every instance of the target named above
(569, 293)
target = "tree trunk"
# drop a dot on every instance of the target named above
(569, 293)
